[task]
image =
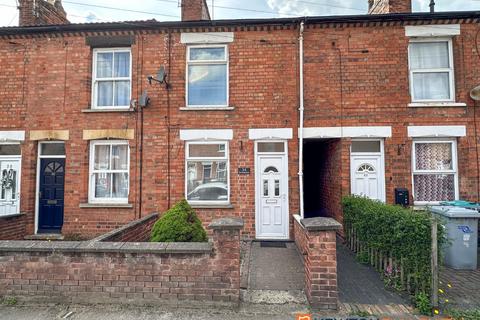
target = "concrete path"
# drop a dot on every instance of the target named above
(272, 275)
(276, 268)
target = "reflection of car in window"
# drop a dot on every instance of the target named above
(216, 191)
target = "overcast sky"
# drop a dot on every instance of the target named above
(162, 10)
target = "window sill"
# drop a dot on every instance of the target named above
(211, 206)
(436, 104)
(106, 205)
(230, 108)
(13, 215)
(108, 110)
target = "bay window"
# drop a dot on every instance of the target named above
(109, 172)
(207, 76)
(112, 78)
(435, 171)
(207, 178)
(431, 70)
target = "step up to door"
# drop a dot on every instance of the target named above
(45, 236)
(274, 296)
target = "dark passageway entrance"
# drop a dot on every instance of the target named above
(322, 177)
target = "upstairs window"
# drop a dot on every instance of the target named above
(111, 78)
(207, 76)
(431, 71)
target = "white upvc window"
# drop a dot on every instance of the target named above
(207, 166)
(109, 171)
(112, 78)
(435, 173)
(431, 70)
(207, 76)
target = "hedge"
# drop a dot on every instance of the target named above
(394, 239)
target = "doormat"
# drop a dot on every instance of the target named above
(273, 244)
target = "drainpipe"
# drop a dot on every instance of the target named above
(300, 133)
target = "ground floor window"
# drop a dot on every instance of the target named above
(109, 171)
(207, 178)
(435, 171)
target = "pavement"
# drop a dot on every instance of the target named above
(109, 312)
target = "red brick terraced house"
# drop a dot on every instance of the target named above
(103, 123)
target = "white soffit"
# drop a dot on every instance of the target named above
(438, 30)
(367, 132)
(206, 37)
(12, 136)
(347, 132)
(322, 132)
(220, 134)
(270, 134)
(436, 131)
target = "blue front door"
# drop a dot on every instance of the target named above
(51, 202)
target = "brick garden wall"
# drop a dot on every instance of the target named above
(102, 272)
(135, 231)
(12, 228)
(316, 241)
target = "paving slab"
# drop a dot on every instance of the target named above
(276, 268)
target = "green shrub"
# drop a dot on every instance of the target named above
(401, 233)
(423, 305)
(465, 314)
(179, 224)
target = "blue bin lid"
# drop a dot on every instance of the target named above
(461, 203)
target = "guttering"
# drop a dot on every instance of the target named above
(153, 24)
(301, 110)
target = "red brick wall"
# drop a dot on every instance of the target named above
(362, 83)
(137, 276)
(320, 261)
(351, 80)
(136, 231)
(12, 228)
(41, 12)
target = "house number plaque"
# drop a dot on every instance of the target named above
(243, 170)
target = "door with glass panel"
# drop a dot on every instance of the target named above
(272, 191)
(9, 189)
(51, 177)
(367, 169)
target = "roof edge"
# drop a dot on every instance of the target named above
(153, 24)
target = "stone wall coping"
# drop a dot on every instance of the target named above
(321, 224)
(229, 223)
(107, 247)
(108, 235)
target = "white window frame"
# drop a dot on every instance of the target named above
(451, 70)
(226, 62)
(96, 80)
(208, 159)
(453, 171)
(91, 183)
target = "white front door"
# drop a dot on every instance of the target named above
(9, 186)
(272, 197)
(367, 176)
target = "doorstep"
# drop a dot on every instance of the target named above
(45, 236)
